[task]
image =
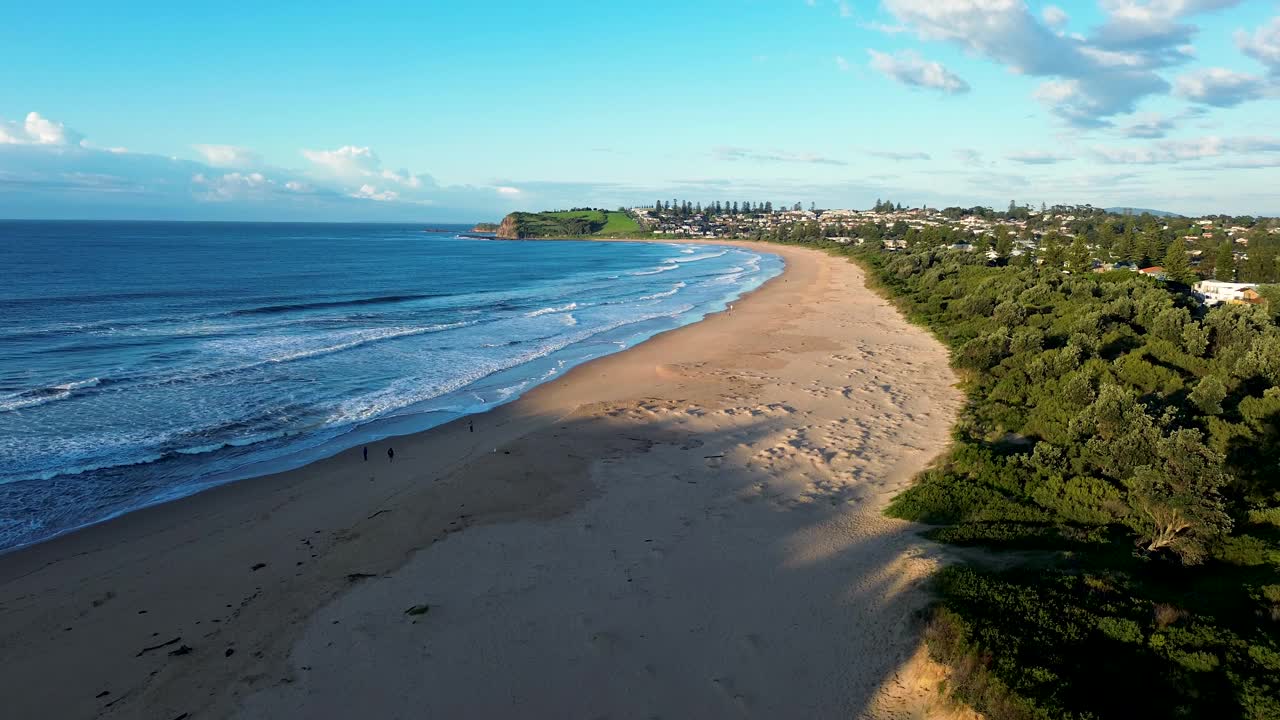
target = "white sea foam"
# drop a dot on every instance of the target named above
(11, 402)
(363, 338)
(698, 258)
(655, 271)
(41, 396)
(674, 289)
(549, 310)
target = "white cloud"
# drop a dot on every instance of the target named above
(229, 156)
(507, 190)
(403, 178)
(908, 68)
(1089, 79)
(369, 192)
(1054, 16)
(346, 161)
(47, 170)
(360, 167)
(38, 130)
(1038, 157)
(1221, 87)
(842, 64)
(1152, 125)
(231, 186)
(1263, 45)
(1152, 23)
(1175, 151)
(900, 155)
(729, 153)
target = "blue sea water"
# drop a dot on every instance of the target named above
(141, 362)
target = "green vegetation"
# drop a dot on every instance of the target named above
(1127, 443)
(577, 223)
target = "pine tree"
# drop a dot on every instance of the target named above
(1051, 252)
(768, 206)
(1078, 258)
(1003, 243)
(1224, 265)
(1263, 256)
(1176, 266)
(1122, 249)
(1134, 244)
(1156, 245)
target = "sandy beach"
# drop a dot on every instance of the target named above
(689, 528)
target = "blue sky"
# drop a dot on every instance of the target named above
(444, 111)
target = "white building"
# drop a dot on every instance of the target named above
(1213, 292)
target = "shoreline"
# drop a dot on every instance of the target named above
(242, 573)
(350, 437)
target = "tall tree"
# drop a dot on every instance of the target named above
(1079, 260)
(1122, 248)
(1224, 264)
(1176, 266)
(1003, 243)
(1051, 252)
(1263, 255)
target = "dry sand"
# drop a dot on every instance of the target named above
(691, 528)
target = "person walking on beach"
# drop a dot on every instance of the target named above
(391, 454)
(366, 453)
(471, 427)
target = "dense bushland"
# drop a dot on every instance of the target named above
(1130, 440)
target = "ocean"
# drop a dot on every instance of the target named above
(143, 362)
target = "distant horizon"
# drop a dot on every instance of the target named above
(474, 221)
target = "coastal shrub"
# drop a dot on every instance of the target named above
(1080, 499)
(1076, 646)
(1019, 536)
(1208, 395)
(1176, 504)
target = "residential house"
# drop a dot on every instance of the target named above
(1214, 292)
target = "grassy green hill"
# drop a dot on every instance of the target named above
(569, 224)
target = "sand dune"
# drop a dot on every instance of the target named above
(691, 528)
